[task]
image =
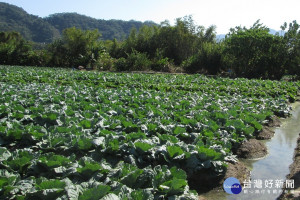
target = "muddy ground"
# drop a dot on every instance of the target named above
(254, 148)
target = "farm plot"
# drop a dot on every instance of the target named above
(87, 135)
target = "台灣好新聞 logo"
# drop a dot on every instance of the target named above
(232, 186)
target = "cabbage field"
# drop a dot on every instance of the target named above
(68, 134)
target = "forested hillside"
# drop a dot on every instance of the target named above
(109, 29)
(37, 29)
(13, 18)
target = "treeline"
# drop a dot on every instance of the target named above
(184, 47)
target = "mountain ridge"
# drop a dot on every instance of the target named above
(47, 29)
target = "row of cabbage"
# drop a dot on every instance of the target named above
(83, 135)
(162, 82)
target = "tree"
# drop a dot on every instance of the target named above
(14, 50)
(255, 53)
(77, 47)
(58, 54)
(183, 40)
(177, 42)
(113, 47)
(130, 42)
(207, 60)
(292, 42)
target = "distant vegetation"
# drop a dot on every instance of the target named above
(48, 29)
(31, 27)
(184, 47)
(109, 29)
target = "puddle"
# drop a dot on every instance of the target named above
(274, 167)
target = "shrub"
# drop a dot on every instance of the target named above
(207, 60)
(121, 64)
(138, 61)
(162, 65)
(37, 58)
(105, 62)
(135, 61)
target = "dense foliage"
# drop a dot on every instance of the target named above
(15, 50)
(255, 53)
(87, 135)
(177, 42)
(76, 48)
(292, 42)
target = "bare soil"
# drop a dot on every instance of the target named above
(251, 149)
(274, 122)
(265, 134)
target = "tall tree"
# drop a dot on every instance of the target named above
(292, 41)
(177, 42)
(77, 47)
(255, 53)
(14, 49)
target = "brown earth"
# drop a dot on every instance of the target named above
(251, 149)
(274, 122)
(237, 170)
(265, 134)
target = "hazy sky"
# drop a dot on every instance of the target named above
(225, 14)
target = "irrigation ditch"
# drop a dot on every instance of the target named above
(273, 158)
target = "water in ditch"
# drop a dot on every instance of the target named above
(269, 173)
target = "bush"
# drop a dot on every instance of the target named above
(161, 65)
(121, 65)
(37, 58)
(208, 60)
(138, 61)
(105, 62)
(135, 61)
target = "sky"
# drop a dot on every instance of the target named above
(225, 14)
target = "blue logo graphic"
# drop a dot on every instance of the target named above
(232, 186)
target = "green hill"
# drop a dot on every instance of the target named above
(34, 28)
(109, 29)
(37, 29)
